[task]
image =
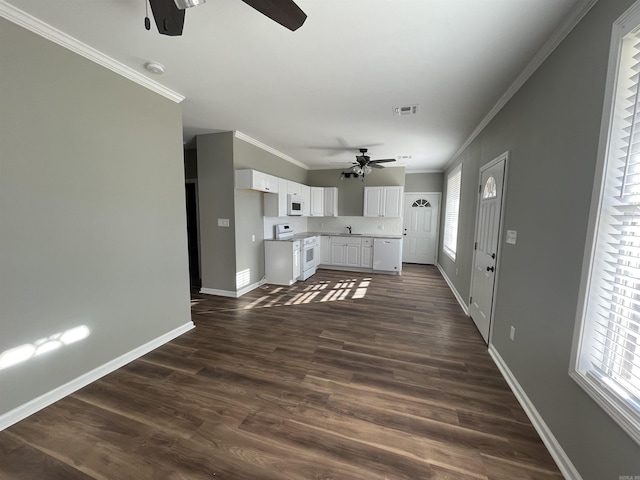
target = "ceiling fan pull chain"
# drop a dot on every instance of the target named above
(147, 22)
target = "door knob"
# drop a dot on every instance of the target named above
(493, 255)
(490, 269)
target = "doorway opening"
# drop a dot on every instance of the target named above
(191, 194)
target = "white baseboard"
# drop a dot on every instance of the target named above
(230, 293)
(31, 407)
(465, 307)
(559, 456)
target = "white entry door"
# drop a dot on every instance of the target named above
(421, 214)
(485, 259)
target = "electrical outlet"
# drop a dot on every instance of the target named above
(223, 222)
(381, 227)
(512, 333)
(253, 238)
(456, 271)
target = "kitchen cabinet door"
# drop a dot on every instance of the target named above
(256, 180)
(383, 201)
(338, 254)
(317, 202)
(373, 201)
(275, 204)
(306, 195)
(294, 188)
(352, 255)
(392, 201)
(331, 201)
(366, 255)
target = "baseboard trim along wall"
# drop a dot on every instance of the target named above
(230, 293)
(559, 456)
(465, 307)
(33, 406)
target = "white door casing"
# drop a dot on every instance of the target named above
(487, 241)
(421, 221)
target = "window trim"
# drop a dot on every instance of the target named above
(605, 397)
(450, 250)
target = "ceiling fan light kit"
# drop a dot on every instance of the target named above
(155, 67)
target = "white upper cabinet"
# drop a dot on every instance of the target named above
(306, 195)
(373, 201)
(294, 188)
(255, 180)
(383, 201)
(317, 202)
(275, 204)
(331, 201)
(393, 201)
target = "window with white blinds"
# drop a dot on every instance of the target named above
(606, 359)
(451, 212)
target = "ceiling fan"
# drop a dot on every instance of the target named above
(169, 14)
(363, 164)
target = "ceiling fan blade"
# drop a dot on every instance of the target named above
(169, 18)
(384, 160)
(375, 165)
(284, 12)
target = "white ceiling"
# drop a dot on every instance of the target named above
(334, 82)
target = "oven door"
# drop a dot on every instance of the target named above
(308, 257)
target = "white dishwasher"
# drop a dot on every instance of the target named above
(387, 255)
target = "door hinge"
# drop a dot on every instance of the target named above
(475, 246)
(470, 300)
(479, 189)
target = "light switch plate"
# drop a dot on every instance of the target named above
(512, 236)
(223, 222)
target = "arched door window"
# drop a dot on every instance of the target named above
(421, 202)
(490, 190)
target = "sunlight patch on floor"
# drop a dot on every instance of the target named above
(316, 292)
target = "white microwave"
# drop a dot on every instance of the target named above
(295, 204)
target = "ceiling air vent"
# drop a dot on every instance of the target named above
(405, 110)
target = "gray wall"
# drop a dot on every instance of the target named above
(551, 128)
(246, 155)
(423, 182)
(250, 206)
(92, 213)
(216, 189)
(351, 190)
(226, 251)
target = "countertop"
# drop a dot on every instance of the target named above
(340, 234)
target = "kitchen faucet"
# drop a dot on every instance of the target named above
(349, 228)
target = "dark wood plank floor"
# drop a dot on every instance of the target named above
(344, 376)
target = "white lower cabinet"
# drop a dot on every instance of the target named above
(360, 253)
(345, 251)
(282, 262)
(366, 256)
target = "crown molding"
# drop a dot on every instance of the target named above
(45, 30)
(547, 49)
(267, 148)
(423, 170)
